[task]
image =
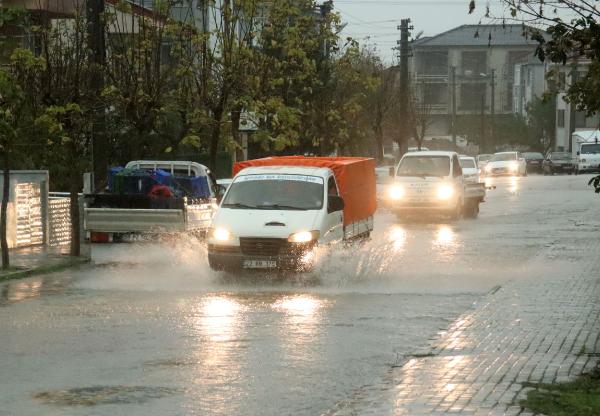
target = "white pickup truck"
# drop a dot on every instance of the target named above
(278, 210)
(433, 182)
(186, 204)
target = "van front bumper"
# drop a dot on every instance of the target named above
(588, 167)
(289, 256)
(430, 205)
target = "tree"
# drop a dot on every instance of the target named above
(571, 39)
(10, 101)
(541, 114)
(16, 117)
(216, 65)
(142, 80)
(420, 117)
(68, 101)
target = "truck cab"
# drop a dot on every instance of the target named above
(428, 182)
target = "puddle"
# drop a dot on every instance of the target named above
(99, 395)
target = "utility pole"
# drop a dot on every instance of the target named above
(453, 86)
(492, 107)
(95, 28)
(482, 143)
(402, 138)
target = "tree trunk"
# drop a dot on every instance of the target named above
(74, 211)
(214, 140)
(379, 143)
(3, 213)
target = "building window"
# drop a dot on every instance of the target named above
(580, 119)
(560, 118)
(433, 63)
(435, 94)
(474, 63)
(472, 96)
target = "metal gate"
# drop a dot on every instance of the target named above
(29, 214)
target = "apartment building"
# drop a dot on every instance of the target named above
(467, 72)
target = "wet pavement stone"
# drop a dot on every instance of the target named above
(544, 328)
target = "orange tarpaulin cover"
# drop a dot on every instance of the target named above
(355, 177)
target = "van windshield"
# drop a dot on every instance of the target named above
(503, 157)
(590, 149)
(424, 166)
(277, 192)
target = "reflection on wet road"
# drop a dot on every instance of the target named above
(150, 330)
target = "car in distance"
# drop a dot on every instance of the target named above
(534, 161)
(470, 170)
(558, 162)
(506, 163)
(483, 159)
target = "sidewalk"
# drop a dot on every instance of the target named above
(544, 328)
(27, 261)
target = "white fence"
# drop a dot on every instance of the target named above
(59, 219)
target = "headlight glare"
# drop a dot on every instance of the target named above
(396, 192)
(221, 234)
(513, 166)
(303, 237)
(445, 192)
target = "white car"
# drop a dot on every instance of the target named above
(483, 159)
(432, 182)
(506, 164)
(470, 170)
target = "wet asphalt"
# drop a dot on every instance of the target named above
(148, 329)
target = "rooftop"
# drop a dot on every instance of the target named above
(479, 35)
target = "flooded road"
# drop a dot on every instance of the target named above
(148, 329)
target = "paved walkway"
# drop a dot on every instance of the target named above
(541, 328)
(25, 260)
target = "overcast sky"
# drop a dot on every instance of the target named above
(375, 21)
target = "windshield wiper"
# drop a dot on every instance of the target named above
(239, 205)
(281, 206)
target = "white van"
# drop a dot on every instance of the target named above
(274, 217)
(586, 149)
(433, 182)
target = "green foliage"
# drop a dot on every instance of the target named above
(577, 398)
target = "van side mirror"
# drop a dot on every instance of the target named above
(335, 203)
(578, 153)
(391, 171)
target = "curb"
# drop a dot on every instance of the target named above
(21, 274)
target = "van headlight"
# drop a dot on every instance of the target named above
(445, 192)
(583, 160)
(513, 166)
(303, 236)
(396, 192)
(488, 168)
(221, 234)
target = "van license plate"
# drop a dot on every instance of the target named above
(260, 264)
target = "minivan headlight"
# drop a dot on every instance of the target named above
(396, 192)
(303, 236)
(445, 192)
(221, 234)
